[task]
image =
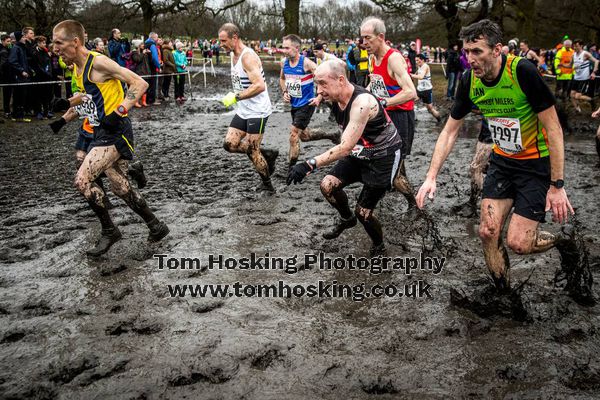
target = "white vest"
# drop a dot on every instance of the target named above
(581, 66)
(425, 83)
(258, 106)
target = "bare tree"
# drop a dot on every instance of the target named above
(152, 9)
(42, 15)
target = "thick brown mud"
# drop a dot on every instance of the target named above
(77, 328)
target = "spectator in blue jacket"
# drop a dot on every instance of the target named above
(116, 47)
(22, 74)
(155, 67)
(181, 64)
(350, 61)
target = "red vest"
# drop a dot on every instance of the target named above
(384, 86)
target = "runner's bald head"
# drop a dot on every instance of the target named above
(331, 68)
(70, 30)
(231, 30)
(376, 24)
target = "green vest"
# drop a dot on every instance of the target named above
(516, 130)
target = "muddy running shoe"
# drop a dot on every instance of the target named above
(158, 230)
(136, 171)
(377, 250)
(340, 226)
(108, 238)
(502, 283)
(266, 186)
(575, 268)
(271, 157)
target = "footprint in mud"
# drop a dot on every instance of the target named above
(223, 370)
(64, 371)
(583, 376)
(121, 293)
(207, 306)
(264, 358)
(378, 386)
(487, 302)
(13, 336)
(102, 372)
(141, 327)
(107, 270)
(267, 221)
(36, 309)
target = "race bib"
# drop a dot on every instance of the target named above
(236, 82)
(357, 151)
(506, 133)
(294, 87)
(378, 86)
(87, 109)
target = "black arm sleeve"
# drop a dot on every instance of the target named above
(463, 104)
(538, 93)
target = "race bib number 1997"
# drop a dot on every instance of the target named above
(506, 133)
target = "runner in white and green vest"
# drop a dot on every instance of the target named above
(527, 163)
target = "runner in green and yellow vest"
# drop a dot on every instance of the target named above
(527, 163)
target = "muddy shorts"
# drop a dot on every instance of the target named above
(485, 136)
(301, 116)
(377, 176)
(525, 181)
(426, 96)
(582, 87)
(121, 137)
(404, 121)
(251, 126)
(84, 140)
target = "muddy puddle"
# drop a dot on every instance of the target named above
(79, 328)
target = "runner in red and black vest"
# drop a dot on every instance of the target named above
(392, 84)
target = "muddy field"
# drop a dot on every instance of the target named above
(79, 328)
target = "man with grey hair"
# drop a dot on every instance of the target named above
(392, 84)
(563, 65)
(369, 152)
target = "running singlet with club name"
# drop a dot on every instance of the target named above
(100, 98)
(298, 82)
(516, 130)
(384, 86)
(258, 106)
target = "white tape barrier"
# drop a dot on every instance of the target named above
(204, 61)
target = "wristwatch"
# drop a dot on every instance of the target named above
(313, 163)
(122, 110)
(383, 103)
(559, 183)
(237, 97)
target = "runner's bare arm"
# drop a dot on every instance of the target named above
(108, 69)
(596, 62)
(257, 83)
(309, 65)
(557, 199)
(364, 107)
(421, 75)
(399, 71)
(443, 147)
(282, 77)
(76, 100)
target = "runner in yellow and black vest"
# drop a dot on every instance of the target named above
(527, 164)
(103, 102)
(563, 65)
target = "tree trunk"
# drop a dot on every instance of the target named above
(291, 17)
(525, 10)
(449, 11)
(147, 15)
(497, 13)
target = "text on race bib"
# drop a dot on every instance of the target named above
(506, 133)
(294, 87)
(87, 109)
(357, 150)
(236, 82)
(378, 86)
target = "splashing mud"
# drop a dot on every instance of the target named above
(73, 327)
